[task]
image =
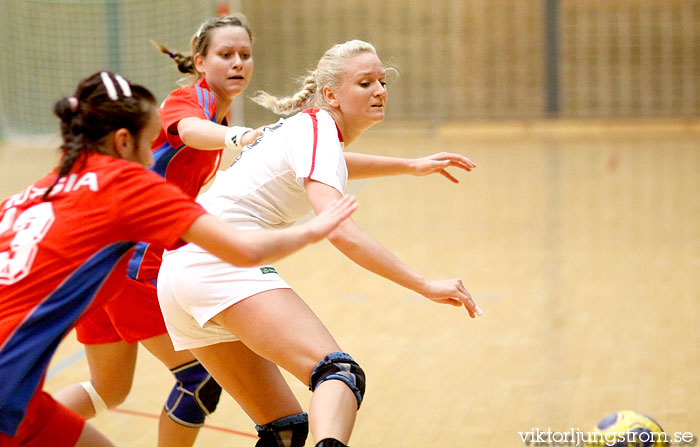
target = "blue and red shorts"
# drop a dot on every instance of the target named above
(46, 423)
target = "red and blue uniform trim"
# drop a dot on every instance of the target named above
(163, 157)
(25, 355)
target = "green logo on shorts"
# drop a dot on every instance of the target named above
(266, 270)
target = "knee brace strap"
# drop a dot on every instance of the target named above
(194, 396)
(97, 402)
(289, 431)
(330, 442)
(340, 366)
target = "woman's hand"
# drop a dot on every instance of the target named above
(452, 292)
(250, 136)
(328, 219)
(438, 163)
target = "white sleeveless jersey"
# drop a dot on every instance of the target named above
(264, 188)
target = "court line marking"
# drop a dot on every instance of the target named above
(65, 363)
(211, 427)
(77, 356)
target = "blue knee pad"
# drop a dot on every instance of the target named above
(289, 431)
(194, 396)
(340, 366)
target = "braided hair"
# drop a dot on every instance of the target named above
(329, 71)
(102, 103)
(201, 40)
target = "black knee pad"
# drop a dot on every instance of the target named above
(340, 366)
(330, 442)
(289, 431)
(194, 396)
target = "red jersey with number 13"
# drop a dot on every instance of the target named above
(55, 255)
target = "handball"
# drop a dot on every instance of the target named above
(627, 429)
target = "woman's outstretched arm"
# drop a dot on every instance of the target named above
(255, 247)
(368, 253)
(367, 166)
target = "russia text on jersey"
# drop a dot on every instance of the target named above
(70, 183)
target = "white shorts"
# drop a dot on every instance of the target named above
(193, 287)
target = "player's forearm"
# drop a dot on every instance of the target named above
(367, 252)
(273, 245)
(202, 134)
(367, 166)
(247, 248)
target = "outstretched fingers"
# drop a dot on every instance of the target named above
(456, 160)
(451, 301)
(438, 163)
(333, 215)
(341, 209)
(448, 176)
(466, 299)
(452, 292)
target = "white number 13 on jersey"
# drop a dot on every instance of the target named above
(30, 228)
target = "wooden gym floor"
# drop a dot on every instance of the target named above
(581, 242)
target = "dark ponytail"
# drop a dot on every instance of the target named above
(72, 132)
(102, 103)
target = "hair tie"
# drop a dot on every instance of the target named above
(73, 103)
(124, 85)
(172, 55)
(109, 86)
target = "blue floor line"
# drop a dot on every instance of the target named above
(66, 363)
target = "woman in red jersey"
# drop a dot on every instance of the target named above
(67, 237)
(193, 134)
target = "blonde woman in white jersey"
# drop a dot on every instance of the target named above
(243, 322)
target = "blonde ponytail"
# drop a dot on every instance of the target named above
(291, 104)
(329, 71)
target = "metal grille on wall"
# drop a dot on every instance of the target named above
(458, 59)
(47, 46)
(487, 59)
(630, 58)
